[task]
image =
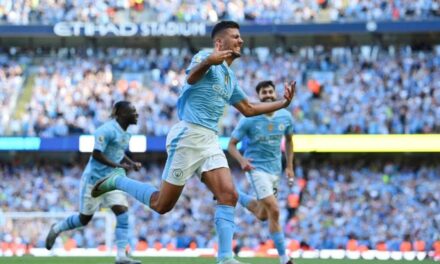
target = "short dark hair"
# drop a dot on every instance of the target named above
(118, 106)
(219, 27)
(264, 84)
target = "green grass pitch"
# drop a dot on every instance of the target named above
(107, 260)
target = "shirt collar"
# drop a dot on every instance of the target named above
(116, 124)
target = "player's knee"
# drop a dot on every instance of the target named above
(163, 209)
(261, 214)
(119, 209)
(85, 222)
(228, 198)
(262, 217)
(274, 212)
(84, 219)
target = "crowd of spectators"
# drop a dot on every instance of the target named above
(24, 12)
(371, 201)
(365, 90)
(75, 95)
(11, 82)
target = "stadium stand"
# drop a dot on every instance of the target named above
(368, 90)
(371, 204)
(249, 11)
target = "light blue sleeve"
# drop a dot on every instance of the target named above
(199, 57)
(103, 136)
(240, 130)
(237, 95)
(289, 128)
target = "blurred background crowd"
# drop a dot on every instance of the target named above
(341, 90)
(367, 82)
(377, 203)
(24, 12)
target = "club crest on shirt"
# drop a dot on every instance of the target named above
(270, 127)
(101, 139)
(281, 127)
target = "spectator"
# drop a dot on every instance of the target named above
(339, 202)
(21, 12)
(371, 90)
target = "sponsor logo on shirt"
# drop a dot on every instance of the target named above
(222, 92)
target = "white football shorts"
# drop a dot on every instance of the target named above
(263, 183)
(89, 205)
(191, 149)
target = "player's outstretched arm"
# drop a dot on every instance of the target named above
(252, 109)
(99, 156)
(217, 57)
(245, 164)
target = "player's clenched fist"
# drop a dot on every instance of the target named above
(246, 165)
(217, 57)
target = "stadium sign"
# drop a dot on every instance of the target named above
(128, 29)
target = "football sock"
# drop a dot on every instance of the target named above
(278, 239)
(69, 223)
(244, 199)
(224, 224)
(139, 190)
(121, 233)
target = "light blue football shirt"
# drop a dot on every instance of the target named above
(203, 103)
(264, 134)
(112, 141)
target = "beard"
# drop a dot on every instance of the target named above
(236, 55)
(268, 100)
